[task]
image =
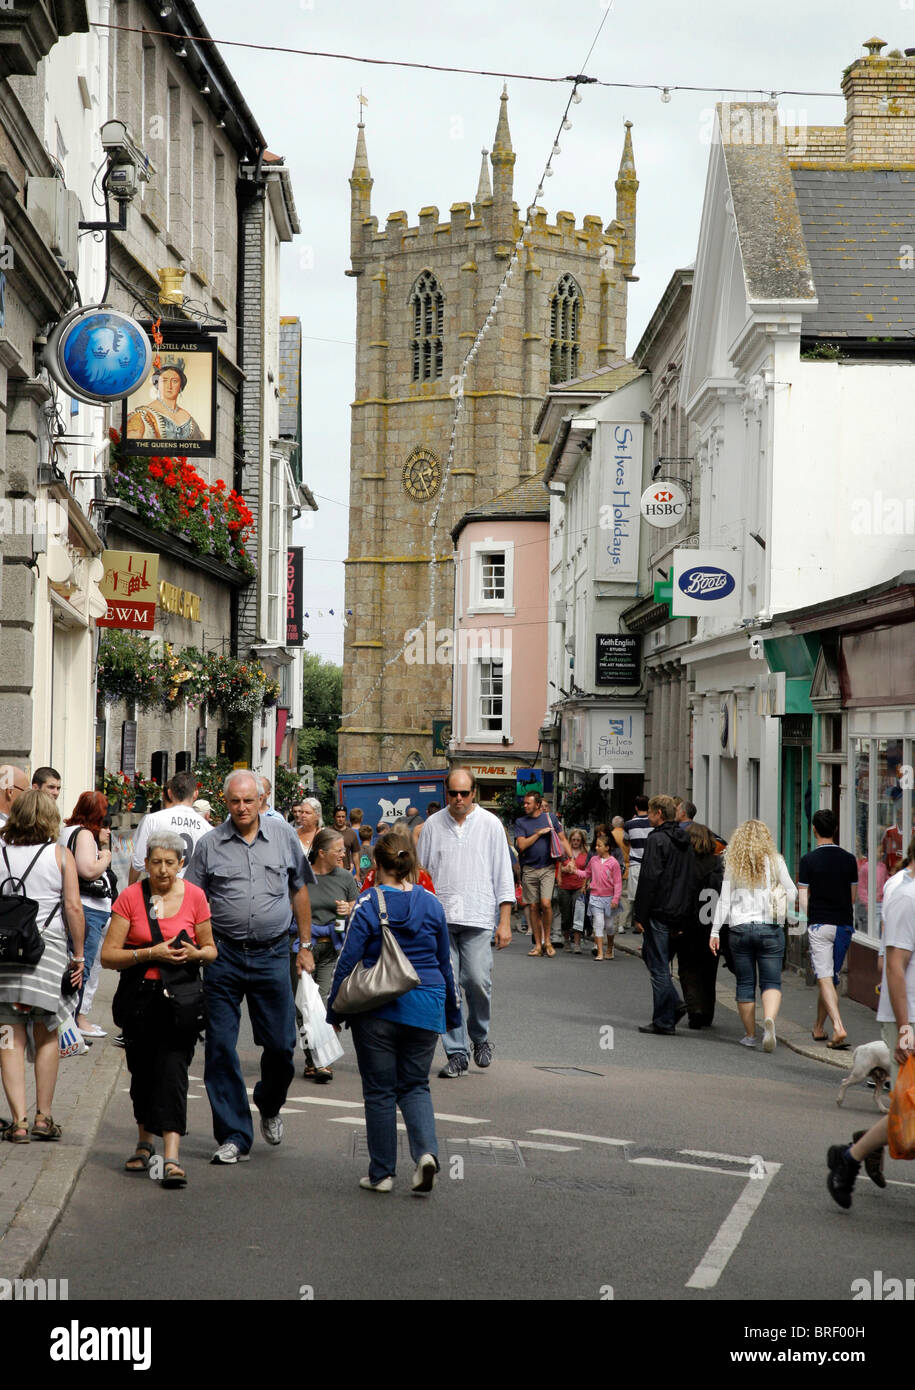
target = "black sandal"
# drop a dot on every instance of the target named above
(139, 1160)
(173, 1174)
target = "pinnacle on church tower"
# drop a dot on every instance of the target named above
(627, 185)
(360, 183)
(484, 190)
(503, 161)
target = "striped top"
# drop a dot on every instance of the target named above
(38, 985)
(638, 829)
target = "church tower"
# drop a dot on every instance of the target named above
(422, 294)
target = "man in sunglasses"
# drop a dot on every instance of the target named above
(464, 850)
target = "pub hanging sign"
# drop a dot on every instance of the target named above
(174, 411)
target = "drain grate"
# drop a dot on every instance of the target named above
(570, 1071)
(477, 1152)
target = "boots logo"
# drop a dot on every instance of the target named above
(706, 582)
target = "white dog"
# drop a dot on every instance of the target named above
(870, 1060)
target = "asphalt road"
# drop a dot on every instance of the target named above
(679, 1168)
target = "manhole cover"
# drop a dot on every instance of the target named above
(570, 1071)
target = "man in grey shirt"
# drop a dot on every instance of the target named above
(251, 868)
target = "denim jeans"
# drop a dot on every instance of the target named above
(97, 920)
(757, 946)
(471, 966)
(262, 978)
(657, 949)
(394, 1062)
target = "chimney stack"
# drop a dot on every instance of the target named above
(880, 107)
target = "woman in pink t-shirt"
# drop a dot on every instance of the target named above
(159, 1050)
(606, 879)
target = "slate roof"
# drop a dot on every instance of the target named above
(527, 501)
(855, 222)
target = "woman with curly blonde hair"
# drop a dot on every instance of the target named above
(756, 893)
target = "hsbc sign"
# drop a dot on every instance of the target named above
(664, 503)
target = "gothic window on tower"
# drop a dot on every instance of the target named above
(565, 330)
(428, 305)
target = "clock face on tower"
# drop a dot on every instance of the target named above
(422, 475)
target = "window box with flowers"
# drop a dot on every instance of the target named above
(170, 496)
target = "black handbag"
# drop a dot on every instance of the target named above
(21, 942)
(182, 984)
(105, 886)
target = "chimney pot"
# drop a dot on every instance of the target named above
(874, 46)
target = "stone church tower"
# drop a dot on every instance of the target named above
(422, 294)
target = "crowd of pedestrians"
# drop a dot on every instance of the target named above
(215, 916)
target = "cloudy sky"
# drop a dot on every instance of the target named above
(425, 131)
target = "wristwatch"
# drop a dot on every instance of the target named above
(305, 946)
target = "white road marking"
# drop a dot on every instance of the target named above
(522, 1143)
(347, 1119)
(897, 1182)
(712, 1265)
(695, 1167)
(460, 1119)
(320, 1100)
(589, 1138)
(728, 1158)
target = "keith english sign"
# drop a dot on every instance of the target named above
(707, 584)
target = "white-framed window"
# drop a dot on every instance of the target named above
(489, 697)
(492, 565)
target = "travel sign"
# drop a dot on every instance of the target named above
(706, 584)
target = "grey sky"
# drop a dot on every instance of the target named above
(424, 133)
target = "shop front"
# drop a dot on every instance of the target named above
(863, 740)
(602, 757)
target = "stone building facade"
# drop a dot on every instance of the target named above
(422, 294)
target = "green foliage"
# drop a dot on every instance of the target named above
(288, 789)
(585, 803)
(823, 352)
(211, 773)
(153, 673)
(322, 690)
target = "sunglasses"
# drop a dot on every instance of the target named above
(469, 792)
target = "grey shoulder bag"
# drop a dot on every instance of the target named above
(369, 987)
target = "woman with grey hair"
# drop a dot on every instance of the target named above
(309, 819)
(160, 932)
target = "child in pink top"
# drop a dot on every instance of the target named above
(606, 887)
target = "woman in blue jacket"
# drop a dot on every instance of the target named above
(395, 1044)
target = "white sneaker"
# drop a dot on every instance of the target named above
(92, 1030)
(424, 1177)
(272, 1128)
(769, 1036)
(229, 1153)
(747, 1041)
(383, 1184)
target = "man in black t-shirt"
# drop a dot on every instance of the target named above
(828, 883)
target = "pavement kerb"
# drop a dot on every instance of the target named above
(792, 1035)
(26, 1238)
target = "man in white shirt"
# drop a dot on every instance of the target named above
(896, 1013)
(180, 817)
(464, 851)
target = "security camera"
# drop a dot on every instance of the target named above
(127, 163)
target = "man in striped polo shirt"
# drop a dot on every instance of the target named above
(637, 831)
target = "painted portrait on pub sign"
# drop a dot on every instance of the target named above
(175, 409)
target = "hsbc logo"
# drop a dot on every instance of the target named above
(664, 504)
